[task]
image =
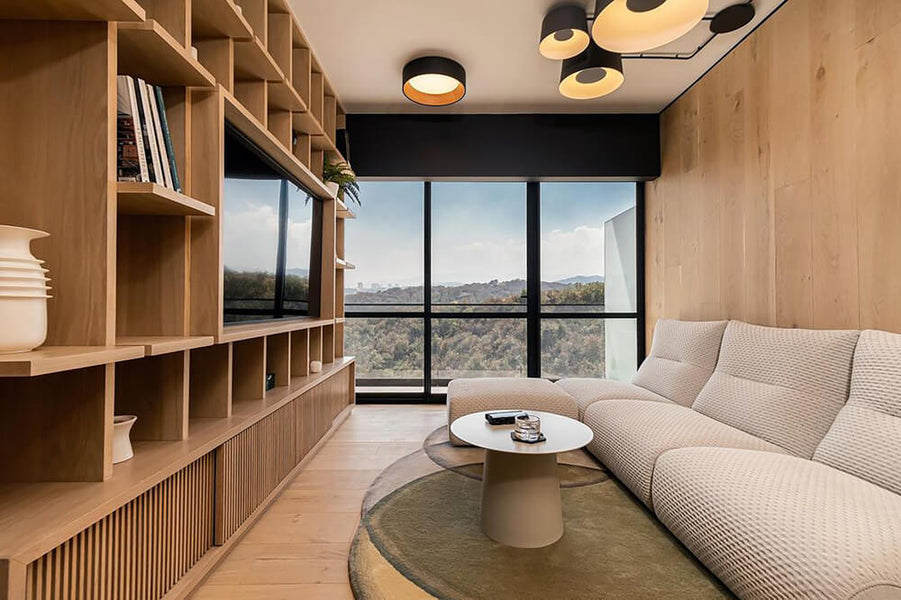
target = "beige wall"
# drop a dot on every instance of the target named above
(780, 199)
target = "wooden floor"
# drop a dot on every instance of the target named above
(298, 549)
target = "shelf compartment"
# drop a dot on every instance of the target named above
(163, 344)
(328, 344)
(300, 353)
(241, 118)
(284, 97)
(148, 51)
(339, 340)
(252, 61)
(315, 344)
(155, 389)
(55, 359)
(218, 19)
(248, 370)
(278, 42)
(154, 199)
(72, 10)
(278, 358)
(210, 385)
(254, 12)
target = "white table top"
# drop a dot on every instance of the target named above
(563, 434)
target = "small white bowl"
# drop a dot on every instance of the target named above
(23, 323)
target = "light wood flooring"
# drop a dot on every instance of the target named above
(298, 549)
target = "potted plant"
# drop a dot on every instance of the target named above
(340, 174)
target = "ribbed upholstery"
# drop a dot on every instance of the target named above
(775, 526)
(629, 435)
(782, 385)
(865, 439)
(588, 391)
(682, 357)
(466, 396)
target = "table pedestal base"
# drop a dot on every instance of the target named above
(521, 499)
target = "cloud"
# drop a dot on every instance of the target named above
(579, 251)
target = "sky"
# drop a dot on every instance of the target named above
(478, 231)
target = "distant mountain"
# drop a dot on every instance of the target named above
(582, 279)
(298, 272)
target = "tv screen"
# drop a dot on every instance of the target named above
(271, 237)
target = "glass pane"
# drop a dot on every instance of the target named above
(589, 348)
(250, 247)
(588, 247)
(478, 246)
(298, 246)
(385, 242)
(388, 351)
(478, 348)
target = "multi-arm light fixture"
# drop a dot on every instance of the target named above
(637, 25)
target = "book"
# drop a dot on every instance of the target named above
(131, 164)
(150, 149)
(158, 132)
(167, 138)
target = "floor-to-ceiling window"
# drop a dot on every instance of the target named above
(476, 279)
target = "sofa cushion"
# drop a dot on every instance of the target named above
(683, 355)
(466, 396)
(865, 439)
(629, 435)
(777, 526)
(782, 385)
(588, 391)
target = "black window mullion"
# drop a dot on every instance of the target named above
(639, 266)
(427, 291)
(533, 279)
(281, 253)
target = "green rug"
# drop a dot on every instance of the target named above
(420, 538)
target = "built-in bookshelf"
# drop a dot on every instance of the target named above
(136, 322)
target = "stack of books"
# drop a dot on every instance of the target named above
(145, 152)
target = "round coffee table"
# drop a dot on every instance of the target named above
(520, 486)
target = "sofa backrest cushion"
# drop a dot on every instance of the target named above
(865, 439)
(683, 355)
(782, 385)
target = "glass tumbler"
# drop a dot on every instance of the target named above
(527, 428)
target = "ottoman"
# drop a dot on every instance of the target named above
(466, 396)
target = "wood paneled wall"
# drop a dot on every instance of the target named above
(780, 196)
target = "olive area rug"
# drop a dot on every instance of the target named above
(419, 539)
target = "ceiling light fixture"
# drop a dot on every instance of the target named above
(564, 32)
(627, 26)
(593, 73)
(434, 81)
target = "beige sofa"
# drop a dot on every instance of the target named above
(774, 455)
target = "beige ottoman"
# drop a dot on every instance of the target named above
(466, 396)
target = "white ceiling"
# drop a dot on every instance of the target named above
(364, 44)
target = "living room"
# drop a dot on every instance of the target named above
(405, 300)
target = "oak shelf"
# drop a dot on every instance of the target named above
(283, 96)
(237, 333)
(72, 10)
(63, 509)
(148, 51)
(55, 359)
(253, 61)
(157, 345)
(343, 212)
(217, 19)
(154, 199)
(340, 263)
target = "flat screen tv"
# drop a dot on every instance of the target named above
(271, 237)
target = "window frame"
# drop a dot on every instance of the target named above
(533, 314)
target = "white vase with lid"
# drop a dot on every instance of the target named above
(23, 291)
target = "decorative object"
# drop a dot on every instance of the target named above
(23, 291)
(122, 449)
(420, 538)
(732, 18)
(270, 381)
(637, 25)
(434, 81)
(564, 32)
(592, 74)
(315, 366)
(527, 428)
(341, 174)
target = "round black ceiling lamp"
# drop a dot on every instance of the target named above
(434, 81)
(564, 32)
(732, 18)
(593, 73)
(629, 26)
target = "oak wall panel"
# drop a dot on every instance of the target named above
(778, 202)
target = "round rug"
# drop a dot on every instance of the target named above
(419, 538)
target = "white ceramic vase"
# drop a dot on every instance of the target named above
(122, 449)
(315, 366)
(23, 291)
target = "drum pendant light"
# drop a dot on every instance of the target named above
(594, 73)
(564, 32)
(628, 26)
(434, 81)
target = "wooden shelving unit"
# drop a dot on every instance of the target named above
(136, 322)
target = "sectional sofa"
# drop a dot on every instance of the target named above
(774, 455)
